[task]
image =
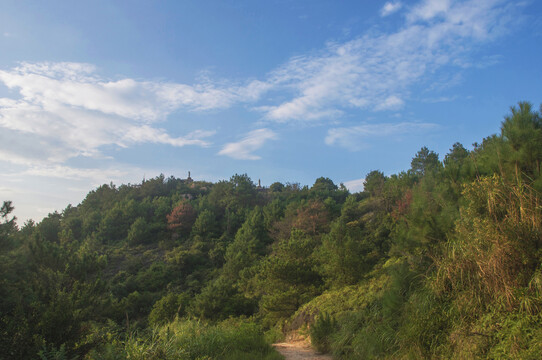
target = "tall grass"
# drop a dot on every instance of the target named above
(321, 332)
(191, 340)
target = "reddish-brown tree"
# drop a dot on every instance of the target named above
(181, 218)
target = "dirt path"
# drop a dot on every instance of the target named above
(299, 350)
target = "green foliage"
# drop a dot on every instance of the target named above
(249, 245)
(54, 354)
(321, 331)
(424, 162)
(49, 228)
(221, 299)
(168, 308)
(522, 132)
(344, 300)
(374, 183)
(274, 335)
(139, 232)
(193, 340)
(206, 225)
(7, 225)
(344, 255)
(287, 278)
(276, 187)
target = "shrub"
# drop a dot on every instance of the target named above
(321, 332)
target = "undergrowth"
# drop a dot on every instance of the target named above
(191, 340)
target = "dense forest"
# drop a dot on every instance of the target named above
(440, 261)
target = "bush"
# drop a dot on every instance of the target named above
(167, 308)
(321, 332)
(54, 353)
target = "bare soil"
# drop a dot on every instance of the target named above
(299, 350)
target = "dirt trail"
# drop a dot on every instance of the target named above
(299, 350)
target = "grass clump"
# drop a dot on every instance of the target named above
(321, 331)
(191, 340)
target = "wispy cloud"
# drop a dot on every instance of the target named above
(243, 149)
(428, 9)
(439, 99)
(152, 135)
(354, 138)
(390, 8)
(376, 71)
(392, 102)
(93, 176)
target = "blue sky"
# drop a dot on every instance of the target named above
(100, 91)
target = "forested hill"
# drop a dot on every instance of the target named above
(442, 260)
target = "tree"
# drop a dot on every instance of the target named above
(374, 183)
(522, 131)
(168, 307)
(345, 254)
(457, 169)
(220, 299)
(243, 190)
(424, 162)
(287, 278)
(205, 225)
(313, 218)
(249, 245)
(113, 226)
(181, 218)
(139, 232)
(276, 187)
(457, 154)
(7, 225)
(324, 185)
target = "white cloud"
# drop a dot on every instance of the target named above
(148, 134)
(353, 138)
(208, 96)
(390, 8)
(355, 185)
(95, 176)
(390, 103)
(74, 84)
(428, 9)
(65, 110)
(242, 150)
(376, 71)
(439, 99)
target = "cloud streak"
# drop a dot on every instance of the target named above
(354, 138)
(243, 149)
(377, 71)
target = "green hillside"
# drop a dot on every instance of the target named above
(440, 261)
